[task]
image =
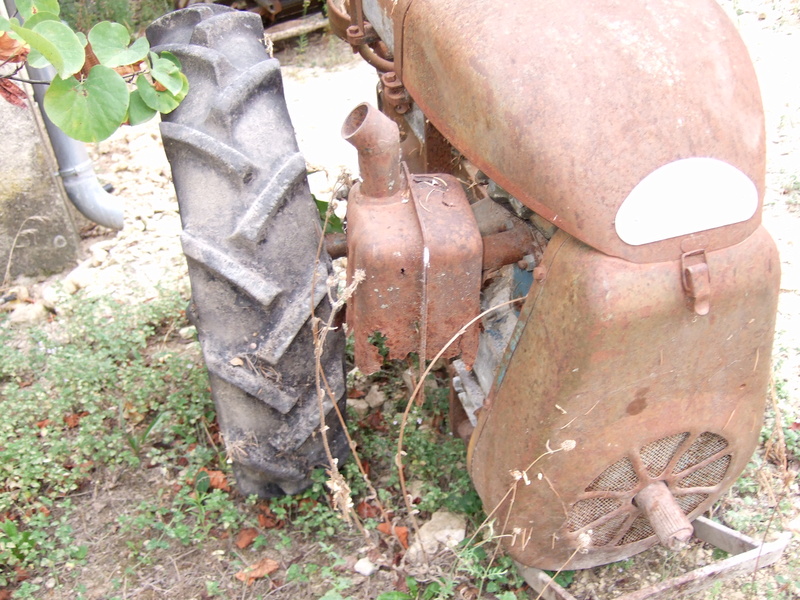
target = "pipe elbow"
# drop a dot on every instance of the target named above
(91, 200)
(377, 139)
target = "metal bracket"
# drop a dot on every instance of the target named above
(360, 31)
(748, 556)
(696, 280)
(395, 94)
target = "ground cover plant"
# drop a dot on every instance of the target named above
(107, 410)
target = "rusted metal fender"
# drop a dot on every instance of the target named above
(611, 382)
(570, 109)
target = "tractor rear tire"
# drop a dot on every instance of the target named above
(251, 234)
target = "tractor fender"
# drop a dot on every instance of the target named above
(636, 127)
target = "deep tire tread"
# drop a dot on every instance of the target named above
(251, 231)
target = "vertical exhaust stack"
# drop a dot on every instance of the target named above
(377, 139)
(384, 241)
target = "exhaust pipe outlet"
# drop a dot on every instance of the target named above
(75, 168)
(377, 139)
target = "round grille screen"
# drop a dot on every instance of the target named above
(683, 461)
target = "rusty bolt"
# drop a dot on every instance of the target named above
(539, 273)
(527, 263)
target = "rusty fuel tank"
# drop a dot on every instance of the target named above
(570, 110)
(616, 395)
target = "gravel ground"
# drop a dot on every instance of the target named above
(146, 255)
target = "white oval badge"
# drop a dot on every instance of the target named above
(684, 197)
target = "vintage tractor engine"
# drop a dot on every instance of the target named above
(613, 157)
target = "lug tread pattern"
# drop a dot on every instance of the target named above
(251, 232)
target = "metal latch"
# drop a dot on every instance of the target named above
(696, 280)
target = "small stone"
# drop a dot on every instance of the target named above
(187, 333)
(360, 407)
(365, 567)
(410, 378)
(52, 296)
(375, 397)
(28, 314)
(414, 488)
(78, 278)
(444, 529)
(99, 256)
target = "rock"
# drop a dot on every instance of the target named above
(99, 256)
(365, 566)
(358, 405)
(14, 297)
(444, 529)
(414, 488)
(410, 378)
(53, 295)
(79, 278)
(28, 314)
(187, 333)
(375, 397)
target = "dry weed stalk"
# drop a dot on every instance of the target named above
(776, 447)
(336, 482)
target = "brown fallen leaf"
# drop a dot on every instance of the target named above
(11, 50)
(267, 519)
(12, 93)
(217, 480)
(72, 420)
(365, 510)
(246, 537)
(401, 533)
(266, 566)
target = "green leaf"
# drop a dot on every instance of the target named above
(335, 224)
(138, 111)
(36, 60)
(394, 596)
(167, 74)
(57, 43)
(5, 24)
(564, 578)
(433, 590)
(202, 483)
(110, 44)
(27, 8)
(39, 17)
(166, 56)
(165, 101)
(89, 110)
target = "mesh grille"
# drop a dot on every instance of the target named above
(707, 476)
(689, 502)
(619, 477)
(640, 529)
(603, 534)
(705, 446)
(585, 512)
(656, 455)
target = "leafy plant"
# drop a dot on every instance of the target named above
(62, 430)
(102, 79)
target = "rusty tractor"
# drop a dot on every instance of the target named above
(584, 186)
